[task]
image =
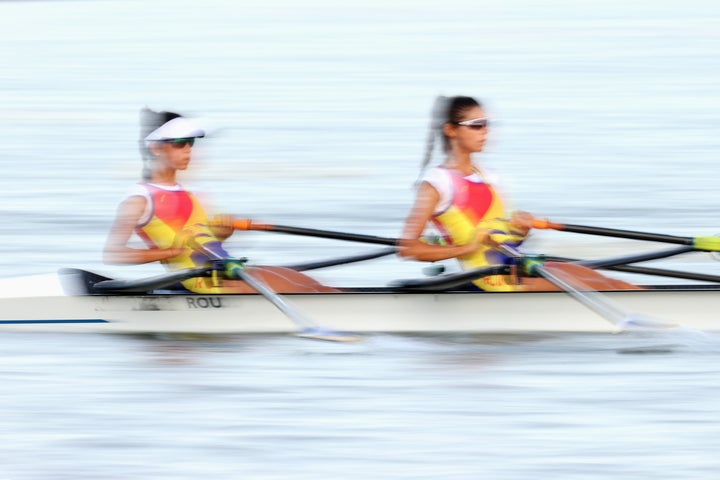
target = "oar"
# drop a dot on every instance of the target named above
(635, 258)
(450, 280)
(705, 243)
(611, 264)
(342, 260)
(621, 264)
(658, 272)
(600, 304)
(308, 328)
(312, 232)
(143, 285)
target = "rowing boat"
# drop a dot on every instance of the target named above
(82, 301)
(379, 310)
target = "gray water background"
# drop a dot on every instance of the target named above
(604, 113)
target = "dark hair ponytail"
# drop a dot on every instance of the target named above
(436, 124)
(445, 110)
(150, 121)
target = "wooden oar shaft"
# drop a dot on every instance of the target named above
(312, 232)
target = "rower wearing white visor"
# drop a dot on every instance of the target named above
(172, 222)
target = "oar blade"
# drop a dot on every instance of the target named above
(612, 312)
(317, 333)
(638, 321)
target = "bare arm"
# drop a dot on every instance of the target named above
(410, 244)
(116, 250)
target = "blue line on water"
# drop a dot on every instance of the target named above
(21, 322)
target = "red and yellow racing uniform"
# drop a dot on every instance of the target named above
(476, 204)
(172, 210)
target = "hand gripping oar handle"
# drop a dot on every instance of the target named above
(707, 243)
(312, 232)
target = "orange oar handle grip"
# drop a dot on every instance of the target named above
(545, 224)
(247, 224)
(242, 224)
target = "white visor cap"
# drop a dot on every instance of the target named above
(179, 127)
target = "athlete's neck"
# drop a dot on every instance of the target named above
(164, 177)
(462, 164)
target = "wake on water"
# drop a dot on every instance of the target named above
(669, 340)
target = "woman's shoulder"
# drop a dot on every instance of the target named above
(149, 186)
(137, 190)
(439, 178)
(146, 189)
(444, 176)
(436, 174)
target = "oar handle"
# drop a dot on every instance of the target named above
(545, 224)
(247, 224)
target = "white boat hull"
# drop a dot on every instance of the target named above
(353, 312)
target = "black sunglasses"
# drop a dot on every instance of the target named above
(180, 142)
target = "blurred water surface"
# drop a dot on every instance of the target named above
(605, 113)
